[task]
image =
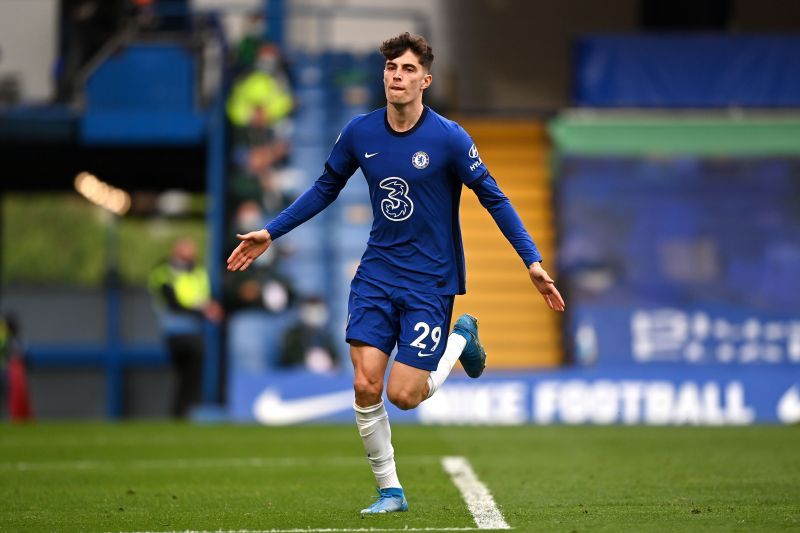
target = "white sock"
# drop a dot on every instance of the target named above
(455, 345)
(373, 426)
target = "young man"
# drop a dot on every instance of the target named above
(415, 162)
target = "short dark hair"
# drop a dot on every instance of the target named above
(396, 46)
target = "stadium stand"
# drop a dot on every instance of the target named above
(518, 332)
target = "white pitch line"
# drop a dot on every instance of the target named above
(477, 496)
(222, 462)
(323, 530)
(200, 462)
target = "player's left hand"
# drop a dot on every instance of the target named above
(253, 244)
(546, 286)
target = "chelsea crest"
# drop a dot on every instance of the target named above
(420, 160)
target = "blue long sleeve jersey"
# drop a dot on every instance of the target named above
(414, 180)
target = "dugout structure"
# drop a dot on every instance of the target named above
(150, 117)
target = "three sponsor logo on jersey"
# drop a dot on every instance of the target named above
(398, 206)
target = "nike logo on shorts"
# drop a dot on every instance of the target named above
(368, 155)
(420, 354)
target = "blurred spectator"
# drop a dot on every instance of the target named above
(181, 290)
(259, 108)
(261, 287)
(249, 215)
(308, 344)
(15, 399)
(274, 198)
(6, 348)
(261, 98)
(258, 180)
(265, 290)
(257, 302)
(247, 48)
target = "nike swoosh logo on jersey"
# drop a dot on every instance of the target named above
(368, 155)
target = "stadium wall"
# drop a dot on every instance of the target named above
(622, 395)
(28, 50)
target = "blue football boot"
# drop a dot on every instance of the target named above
(473, 358)
(391, 500)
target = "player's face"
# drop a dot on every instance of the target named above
(404, 79)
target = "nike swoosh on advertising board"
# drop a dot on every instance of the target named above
(270, 409)
(789, 406)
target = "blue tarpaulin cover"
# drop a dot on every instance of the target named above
(688, 71)
(683, 260)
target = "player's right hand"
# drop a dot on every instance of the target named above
(253, 244)
(546, 287)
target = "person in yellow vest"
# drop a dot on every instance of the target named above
(182, 294)
(262, 97)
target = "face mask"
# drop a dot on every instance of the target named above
(314, 315)
(180, 264)
(318, 360)
(267, 258)
(248, 221)
(267, 64)
(274, 296)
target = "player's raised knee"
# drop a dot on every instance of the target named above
(404, 399)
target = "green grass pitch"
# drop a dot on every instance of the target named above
(176, 477)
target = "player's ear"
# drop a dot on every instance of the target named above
(426, 81)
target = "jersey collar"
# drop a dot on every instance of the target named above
(404, 133)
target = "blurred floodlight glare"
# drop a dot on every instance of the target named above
(102, 194)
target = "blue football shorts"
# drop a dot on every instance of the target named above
(384, 316)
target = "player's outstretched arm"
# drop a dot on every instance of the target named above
(546, 286)
(253, 244)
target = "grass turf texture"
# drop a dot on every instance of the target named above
(165, 477)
